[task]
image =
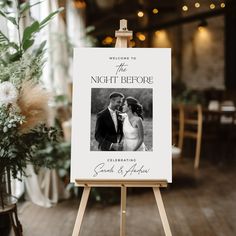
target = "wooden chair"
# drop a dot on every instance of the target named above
(177, 130)
(193, 128)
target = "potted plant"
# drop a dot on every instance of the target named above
(23, 100)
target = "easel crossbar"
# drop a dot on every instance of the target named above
(121, 183)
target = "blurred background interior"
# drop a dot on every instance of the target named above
(202, 36)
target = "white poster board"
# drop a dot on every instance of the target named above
(144, 144)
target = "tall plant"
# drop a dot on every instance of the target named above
(23, 101)
(22, 59)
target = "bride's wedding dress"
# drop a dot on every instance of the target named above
(131, 137)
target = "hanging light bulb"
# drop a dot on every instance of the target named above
(157, 33)
(222, 5)
(197, 5)
(141, 36)
(185, 8)
(132, 44)
(79, 4)
(108, 40)
(212, 6)
(202, 25)
(140, 13)
(155, 11)
(140, 8)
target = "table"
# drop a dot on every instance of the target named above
(219, 127)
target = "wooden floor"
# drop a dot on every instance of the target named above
(197, 203)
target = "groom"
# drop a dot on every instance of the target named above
(108, 131)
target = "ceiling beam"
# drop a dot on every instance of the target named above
(182, 20)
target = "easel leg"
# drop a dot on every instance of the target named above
(81, 211)
(162, 211)
(121, 42)
(123, 211)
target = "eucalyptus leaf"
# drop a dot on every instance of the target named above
(25, 6)
(40, 48)
(14, 45)
(44, 22)
(30, 31)
(15, 56)
(2, 151)
(3, 37)
(10, 18)
(5, 40)
(4, 3)
(28, 43)
(5, 129)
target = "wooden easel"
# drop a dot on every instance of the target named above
(123, 39)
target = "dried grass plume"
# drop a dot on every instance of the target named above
(33, 103)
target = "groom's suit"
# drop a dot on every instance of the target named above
(105, 131)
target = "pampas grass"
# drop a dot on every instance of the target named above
(33, 104)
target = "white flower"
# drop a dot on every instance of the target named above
(8, 93)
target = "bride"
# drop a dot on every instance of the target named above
(133, 126)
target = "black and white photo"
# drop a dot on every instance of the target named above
(121, 120)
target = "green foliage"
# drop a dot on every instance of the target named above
(28, 67)
(10, 18)
(45, 21)
(56, 155)
(22, 60)
(5, 3)
(12, 55)
(61, 99)
(26, 6)
(27, 40)
(18, 149)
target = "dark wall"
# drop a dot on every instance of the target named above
(230, 45)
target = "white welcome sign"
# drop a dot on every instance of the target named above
(121, 116)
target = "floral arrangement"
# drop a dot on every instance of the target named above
(23, 113)
(23, 100)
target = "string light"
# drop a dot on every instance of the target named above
(222, 5)
(161, 39)
(197, 5)
(212, 6)
(184, 8)
(200, 28)
(141, 36)
(80, 4)
(157, 32)
(202, 25)
(132, 44)
(140, 14)
(155, 11)
(108, 40)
